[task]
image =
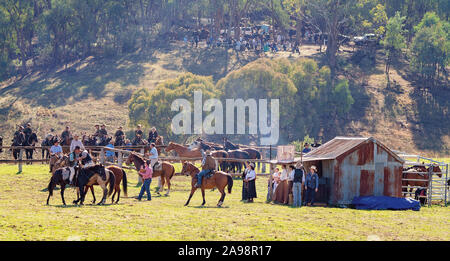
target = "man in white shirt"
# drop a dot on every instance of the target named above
(76, 142)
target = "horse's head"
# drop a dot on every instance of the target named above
(159, 140)
(194, 145)
(188, 169)
(170, 147)
(129, 159)
(436, 169)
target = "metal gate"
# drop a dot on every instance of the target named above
(433, 181)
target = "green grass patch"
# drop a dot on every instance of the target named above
(24, 216)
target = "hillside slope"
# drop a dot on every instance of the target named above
(96, 90)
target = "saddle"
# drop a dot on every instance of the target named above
(158, 165)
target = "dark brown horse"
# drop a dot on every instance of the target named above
(166, 173)
(119, 175)
(218, 180)
(417, 176)
(253, 154)
(93, 175)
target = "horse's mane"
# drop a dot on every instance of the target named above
(139, 157)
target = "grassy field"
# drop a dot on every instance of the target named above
(24, 216)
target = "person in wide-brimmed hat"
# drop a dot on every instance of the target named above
(250, 180)
(311, 185)
(208, 165)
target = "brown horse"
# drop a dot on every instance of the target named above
(159, 142)
(183, 151)
(417, 176)
(218, 180)
(58, 162)
(166, 173)
(119, 175)
(220, 155)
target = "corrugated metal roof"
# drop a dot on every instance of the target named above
(334, 148)
(340, 145)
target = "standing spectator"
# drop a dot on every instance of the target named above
(76, 142)
(298, 183)
(274, 180)
(291, 172)
(244, 184)
(311, 186)
(282, 188)
(250, 180)
(109, 153)
(146, 173)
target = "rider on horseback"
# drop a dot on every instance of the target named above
(86, 160)
(27, 131)
(56, 149)
(119, 137)
(152, 135)
(208, 166)
(153, 155)
(66, 135)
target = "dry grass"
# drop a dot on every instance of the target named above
(24, 216)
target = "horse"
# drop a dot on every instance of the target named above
(217, 154)
(30, 141)
(65, 144)
(253, 154)
(218, 180)
(119, 175)
(58, 162)
(159, 142)
(236, 166)
(227, 145)
(45, 144)
(60, 177)
(92, 175)
(183, 151)
(415, 179)
(166, 173)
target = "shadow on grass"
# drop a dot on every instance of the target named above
(206, 207)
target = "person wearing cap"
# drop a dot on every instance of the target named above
(56, 149)
(27, 131)
(307, 149)
(250, 179)
(76, 142)
(152, 135)
(311, 185)
(298, 182)
(208, 165)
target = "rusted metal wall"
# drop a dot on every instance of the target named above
(365, 170)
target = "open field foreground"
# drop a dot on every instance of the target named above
(24, 216)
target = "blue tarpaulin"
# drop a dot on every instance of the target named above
(383, 202)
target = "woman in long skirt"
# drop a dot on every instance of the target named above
(250, 180)
(282, 191)
(245, 184)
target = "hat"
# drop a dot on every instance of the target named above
(252, 164)
(313, 167)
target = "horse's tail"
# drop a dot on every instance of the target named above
(230, 183)
(173, 173)
(124, 183)
(112, 182)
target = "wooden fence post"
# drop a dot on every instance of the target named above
(102, 156)
(20, 160)
(430, 185)
(119, 158)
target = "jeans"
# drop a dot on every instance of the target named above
(310, 194)
(200, 176)
(297, 194)
(146, 187)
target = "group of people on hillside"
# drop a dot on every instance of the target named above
(257, 40)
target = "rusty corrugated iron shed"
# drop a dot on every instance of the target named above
(341, 145)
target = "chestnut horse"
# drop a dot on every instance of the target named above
(183, 151)
(167, 172)
(218, 180)
(419, 179)
(119, 175)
